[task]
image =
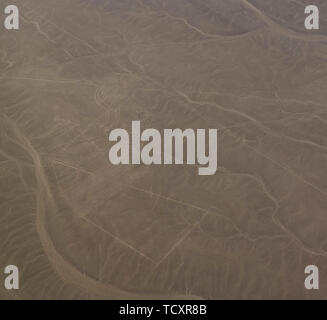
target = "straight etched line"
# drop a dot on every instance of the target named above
(118, 239)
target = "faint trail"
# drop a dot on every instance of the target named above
(280, 29)
(166, 198)
(203, 33)
(38, 29)
(118, 239)
(37, 25)
(85, 82)
(320, 118)
(75, 37)
(70, 274)
(190, 26)
(287, 169)
(261, 183)
(236, 112)
(275, 219)
(65, 164)
(178, 242)
(6, 61)
(258, 123)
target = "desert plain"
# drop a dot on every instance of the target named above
(78, 227)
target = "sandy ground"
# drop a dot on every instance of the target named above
(80, 228)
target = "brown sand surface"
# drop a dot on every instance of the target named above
(80, 228)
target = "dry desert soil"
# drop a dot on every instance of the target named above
(79, 227)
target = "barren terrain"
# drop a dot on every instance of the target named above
(80, 228)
